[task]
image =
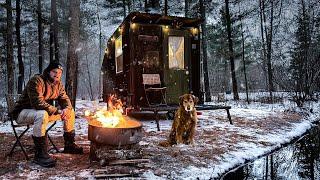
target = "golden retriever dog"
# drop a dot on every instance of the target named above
(184, 123)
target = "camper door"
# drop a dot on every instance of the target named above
(176, 66)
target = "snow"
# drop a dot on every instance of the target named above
(262, 141)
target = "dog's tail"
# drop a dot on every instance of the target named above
(165, 143)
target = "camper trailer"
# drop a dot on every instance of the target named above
(152, 58)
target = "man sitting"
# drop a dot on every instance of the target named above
(35, 106)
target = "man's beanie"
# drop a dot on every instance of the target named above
(54, 65)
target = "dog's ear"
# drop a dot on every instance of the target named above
(181, 100)
(195, 99)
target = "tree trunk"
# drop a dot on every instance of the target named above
(10, 60)
(155, 4)
(269, 36)
(204, 51)
(165, 7)
(129, 6)
(225, 77)
(146, 6)
(72, 56)
(21, 66)
(40, 36)
(231, 53)
(243, 61)
(54, 23)
(100, 43)
(89, 79)
(124, 8)
(51, 36)
(186, 8)
(263, 43)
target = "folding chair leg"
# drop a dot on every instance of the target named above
(164, 98)
(54, 146)
(18, 142)
(147, 98)
(51, 141)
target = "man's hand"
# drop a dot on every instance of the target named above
(65, 114)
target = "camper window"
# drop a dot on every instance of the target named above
(119, 54)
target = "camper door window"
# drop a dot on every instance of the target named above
(176, 52)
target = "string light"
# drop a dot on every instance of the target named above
(120, 30)
(133, 25)
(166, 28)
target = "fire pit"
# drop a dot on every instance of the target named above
(128, 132)
(111, 132)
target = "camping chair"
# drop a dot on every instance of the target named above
(152, 84)
(11, 99)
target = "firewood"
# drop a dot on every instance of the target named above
(110, 155)
(118, 172)
(128, 162)
(98, 176)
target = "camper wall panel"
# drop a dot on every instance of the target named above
(195, 64)
(148, 56)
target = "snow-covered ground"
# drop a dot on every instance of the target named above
(258, 129)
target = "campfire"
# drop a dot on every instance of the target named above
(110, 116)
(109, 126)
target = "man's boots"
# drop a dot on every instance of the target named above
(41, 155)
(69, 146)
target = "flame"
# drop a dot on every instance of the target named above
(110, 116)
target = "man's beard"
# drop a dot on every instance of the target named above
(54, 80)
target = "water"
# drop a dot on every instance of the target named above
(299, 160)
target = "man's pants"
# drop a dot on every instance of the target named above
(40, 120)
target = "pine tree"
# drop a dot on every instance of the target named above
(300, 57)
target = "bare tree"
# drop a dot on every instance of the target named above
(243, 59)
(186, 8)
(129, 4)
(90, 89)
(263, 42)
(100, 46)
(146, 6)
(231, 53)
(124, 8)
(73, 50)
(54, 22)
(54, 45)
(165, 7)
(21, 65)
(40, 36)
(10, 60)
(100, 33)
(269, 36)
(204, 51)
(267, 32)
